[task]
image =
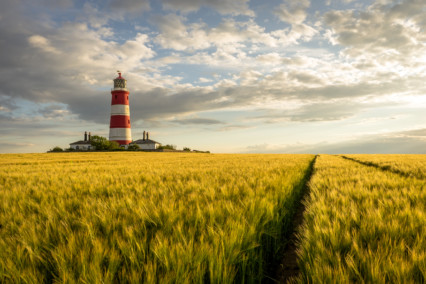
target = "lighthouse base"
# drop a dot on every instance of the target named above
(122, 142)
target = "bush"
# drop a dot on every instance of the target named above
(168, 146)
(133, 147)
(187, 149)
(57, 149)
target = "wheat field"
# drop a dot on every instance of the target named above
(407, 165)
(145, 217)
(137, 217)
(364, 224)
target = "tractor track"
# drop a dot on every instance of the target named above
(382, 168)
(288, 268)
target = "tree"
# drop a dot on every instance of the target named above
(57, 149)
(187, 149)
(101, 143)
(133, 147)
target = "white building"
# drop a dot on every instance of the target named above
(146, 143)
(83, 145)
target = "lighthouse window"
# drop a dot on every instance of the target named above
(115, 96)
(128, 121)
(127, 97)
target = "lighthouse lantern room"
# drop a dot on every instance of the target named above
(119, 128)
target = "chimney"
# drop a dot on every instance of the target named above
(147, 135)
(90, 136)
(85, 136)
(144, 135)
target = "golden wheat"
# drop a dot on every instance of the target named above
(144, 217)
(363, 224)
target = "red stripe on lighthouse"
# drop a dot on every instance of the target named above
(120, 121)
(123, 142)
(120, 98)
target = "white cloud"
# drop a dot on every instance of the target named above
(292, 36)
(380, 30)
(42, 43)
(135, 49)
(293, 11)
(175, 34)
(205, 80)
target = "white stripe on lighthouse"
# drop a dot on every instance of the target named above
(120, 134)
(120, 110)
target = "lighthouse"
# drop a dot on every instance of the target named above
(119, 127)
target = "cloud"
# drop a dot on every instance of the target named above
(330, 111)
(57, 64)
(42, 43)
(197, 120)
(229, 36)
(5, 145)
(175, 34)
(235, 7)
(390, 31)
(416, 133)
(54, 111)
(388, 143)
(132, 6)
(293, 11)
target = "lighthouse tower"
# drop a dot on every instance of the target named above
(119, 127)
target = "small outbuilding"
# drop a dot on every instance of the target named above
(146, 143)
(83, 145)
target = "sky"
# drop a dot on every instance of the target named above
(240, 76)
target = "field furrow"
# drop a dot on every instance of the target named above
(405, 165)
(363, 224)
(145, 217)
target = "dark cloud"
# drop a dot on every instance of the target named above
(58, 4)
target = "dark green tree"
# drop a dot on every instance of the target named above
(101, 143)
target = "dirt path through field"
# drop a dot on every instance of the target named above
(382, 168)
(289, 268)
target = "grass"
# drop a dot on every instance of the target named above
(145, 217)
(363, 224)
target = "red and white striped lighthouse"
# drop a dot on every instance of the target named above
(119, 127)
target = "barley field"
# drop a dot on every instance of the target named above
(364, 224)
(145, 217)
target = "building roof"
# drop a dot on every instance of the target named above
(146, 141)
(81, 142)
